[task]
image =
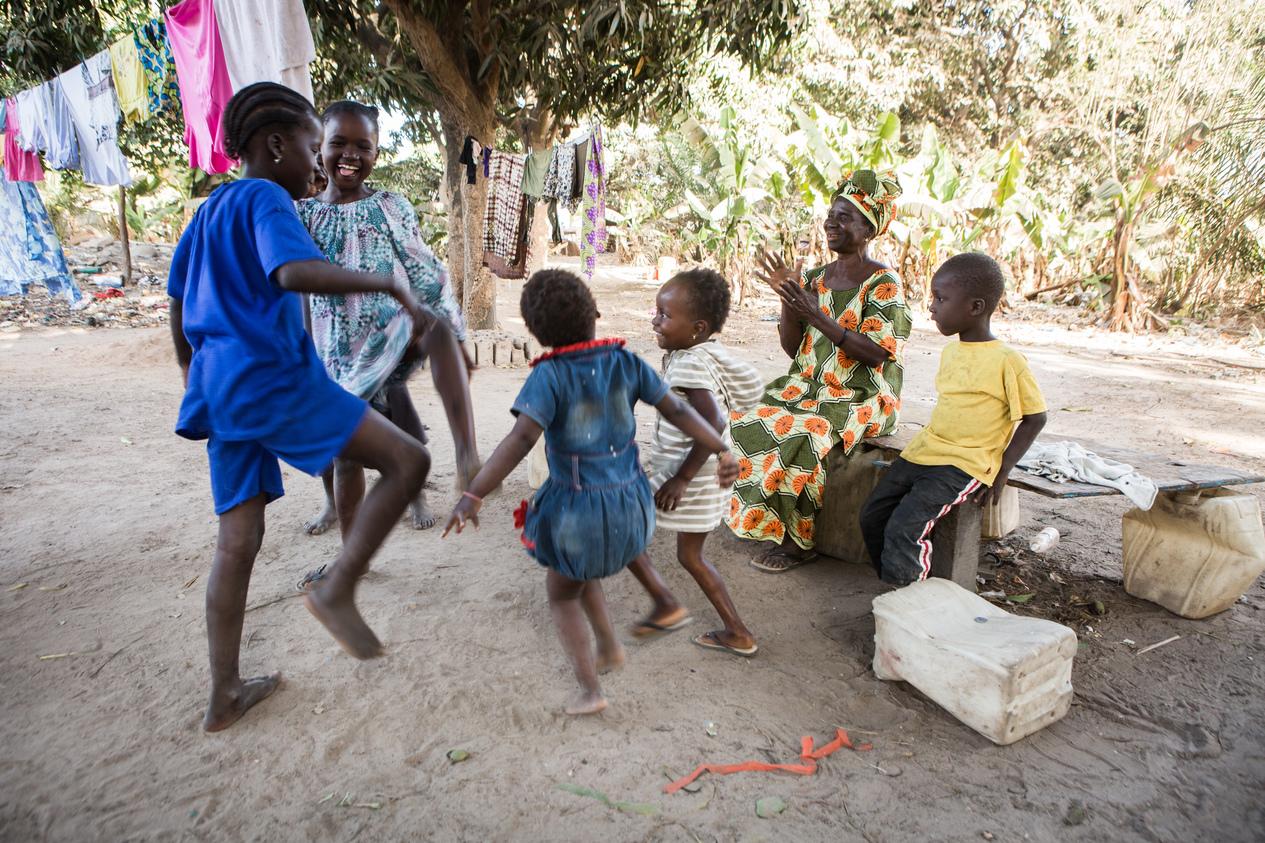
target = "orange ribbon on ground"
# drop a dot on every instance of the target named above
(807, 754)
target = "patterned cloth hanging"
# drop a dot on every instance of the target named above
(30, 252)
(593, 206)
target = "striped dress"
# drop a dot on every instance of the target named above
(737, 387)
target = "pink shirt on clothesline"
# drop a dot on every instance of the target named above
(202, 75)
(19, 165)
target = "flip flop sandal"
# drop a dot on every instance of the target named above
(647, 628)
(310, 579)
(709, 641)
(793, 561)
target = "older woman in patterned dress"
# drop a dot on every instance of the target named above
(843, 325)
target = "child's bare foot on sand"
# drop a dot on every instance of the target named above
(420, 515)
(611, 660)
(321, 523)
(344, 623)
(587, 703)
(226, 708)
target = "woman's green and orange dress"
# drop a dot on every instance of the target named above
(825, 399)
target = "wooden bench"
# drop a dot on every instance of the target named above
(956, 539)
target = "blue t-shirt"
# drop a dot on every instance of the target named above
(251, 353)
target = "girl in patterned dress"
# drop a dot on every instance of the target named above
(843, 326)
(364, 340)
(689, 310)
(595, 513)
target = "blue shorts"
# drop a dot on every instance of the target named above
(242, 470)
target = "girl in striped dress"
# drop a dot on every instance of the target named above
(689, 310)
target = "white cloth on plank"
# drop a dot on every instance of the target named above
(1061, 461)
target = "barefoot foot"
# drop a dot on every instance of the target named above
(420, 515)
(587, 703)
(612, 660)
(321, 523)
(344, 623)
(227, 707)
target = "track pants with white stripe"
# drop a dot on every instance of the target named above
(901, 513)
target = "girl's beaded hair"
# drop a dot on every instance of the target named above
(259, 106)
(558, 308)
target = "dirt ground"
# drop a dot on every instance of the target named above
(106, 536)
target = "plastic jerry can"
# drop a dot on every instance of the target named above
(1194, 553)
(537, 464)
(1000, 520)
(1003, 675)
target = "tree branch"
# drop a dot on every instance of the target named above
(446, 71)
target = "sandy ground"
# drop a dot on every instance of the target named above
(105, 517)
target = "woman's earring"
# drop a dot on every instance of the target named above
(276, 159)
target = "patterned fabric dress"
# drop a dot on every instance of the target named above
(362, 337)
(826, 398)
(593, 206)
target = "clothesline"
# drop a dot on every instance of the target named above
(573, 172)
(198, 53)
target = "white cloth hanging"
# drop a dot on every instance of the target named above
(94, 108)
(266, 41)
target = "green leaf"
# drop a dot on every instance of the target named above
(456, 756)
(641, 808)
(769, 807)
(889, 127)
(1020, 598)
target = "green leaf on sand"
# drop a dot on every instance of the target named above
(456, 756)
(1020, 598)
(769, 806)
(627, 807)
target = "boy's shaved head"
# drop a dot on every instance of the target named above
(978, 275)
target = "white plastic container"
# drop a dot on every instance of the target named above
(1003, 675)
(1194, 554)
(1000, 520)
(537, 465)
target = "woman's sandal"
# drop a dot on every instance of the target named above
(646, 628)
(710, 641)
(310, 579)
(793, 560)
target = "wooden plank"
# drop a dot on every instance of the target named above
(955, 545)
(1168, 475)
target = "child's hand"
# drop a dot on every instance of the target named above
(670, 493)
(727, 469)
(422, 319)
(467, 509)
(986, 495)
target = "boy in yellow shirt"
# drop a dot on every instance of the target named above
(968, 450)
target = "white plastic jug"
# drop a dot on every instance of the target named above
(1192, 553)
(537, 465)
(1003, 675)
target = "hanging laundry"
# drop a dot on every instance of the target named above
(94, 109)
(20, 164)
(593, 206)
(560, 175)
(581, 172)
(30, 252)
(467, 159)
(129, 79)
(267, 42)
(61, 143)
(154, 51)
(204, 84)
(29, 104)
(503, 215)
(534, 169)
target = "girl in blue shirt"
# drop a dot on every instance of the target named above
(595, 513)
(256, 390)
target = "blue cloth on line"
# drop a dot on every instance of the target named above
(595, 513)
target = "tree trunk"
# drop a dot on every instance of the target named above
(1123, 306)
(474, 285)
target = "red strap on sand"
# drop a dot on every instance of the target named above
(807, 754)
